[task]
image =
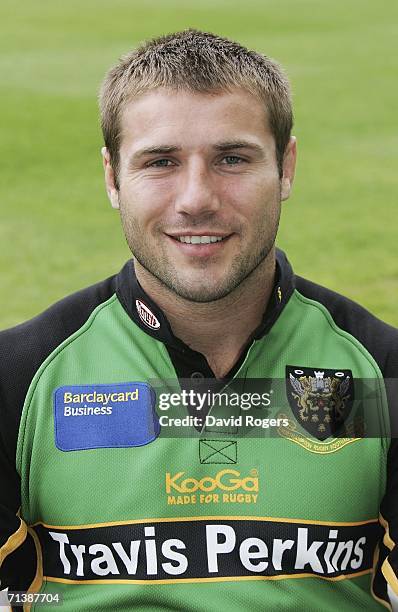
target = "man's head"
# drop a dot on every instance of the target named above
(198, 62)
(198, 158)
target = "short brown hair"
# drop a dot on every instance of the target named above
(195, 61)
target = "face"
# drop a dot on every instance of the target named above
(199, 191)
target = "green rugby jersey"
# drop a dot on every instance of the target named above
(110, 504)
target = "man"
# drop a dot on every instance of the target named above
(115, 511)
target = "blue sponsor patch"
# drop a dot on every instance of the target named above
(105, 416)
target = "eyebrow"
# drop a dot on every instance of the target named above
(160, 150)
(221, 146)
(238, 144)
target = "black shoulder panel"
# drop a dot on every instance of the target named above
(379, 338)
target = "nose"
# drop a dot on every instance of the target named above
(196, 191)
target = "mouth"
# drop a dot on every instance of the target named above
(199, 245)
(199, 239)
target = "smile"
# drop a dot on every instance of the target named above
(199, 239)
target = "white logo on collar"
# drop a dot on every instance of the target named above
(146, 315)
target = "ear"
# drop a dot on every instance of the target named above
(111, 189)
(289, 167)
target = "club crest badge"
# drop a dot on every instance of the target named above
(321, 400)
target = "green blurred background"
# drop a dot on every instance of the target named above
(58, 233)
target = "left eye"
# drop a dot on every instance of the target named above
(231, 160)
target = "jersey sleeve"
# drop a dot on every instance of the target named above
(381, 341)
(385, 584)
(22, 351)
(17, 549)
(388, 554)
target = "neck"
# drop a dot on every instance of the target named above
(220, 329)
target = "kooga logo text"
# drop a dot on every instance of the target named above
(224, 480)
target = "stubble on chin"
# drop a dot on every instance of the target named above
(156, 263)
(203, 289)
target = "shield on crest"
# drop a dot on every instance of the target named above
(320, 399)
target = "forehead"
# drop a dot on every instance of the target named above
(192, 119)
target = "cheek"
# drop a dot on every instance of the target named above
(141, 208)
(153, 192)
(253, 198)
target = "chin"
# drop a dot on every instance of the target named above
(200, 295)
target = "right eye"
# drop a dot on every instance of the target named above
(160, 163)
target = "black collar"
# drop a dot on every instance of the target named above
(152, 320)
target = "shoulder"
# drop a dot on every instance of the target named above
(33, 340)
(379, 338)
(25, 347)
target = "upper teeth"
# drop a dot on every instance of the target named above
(199, 239)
